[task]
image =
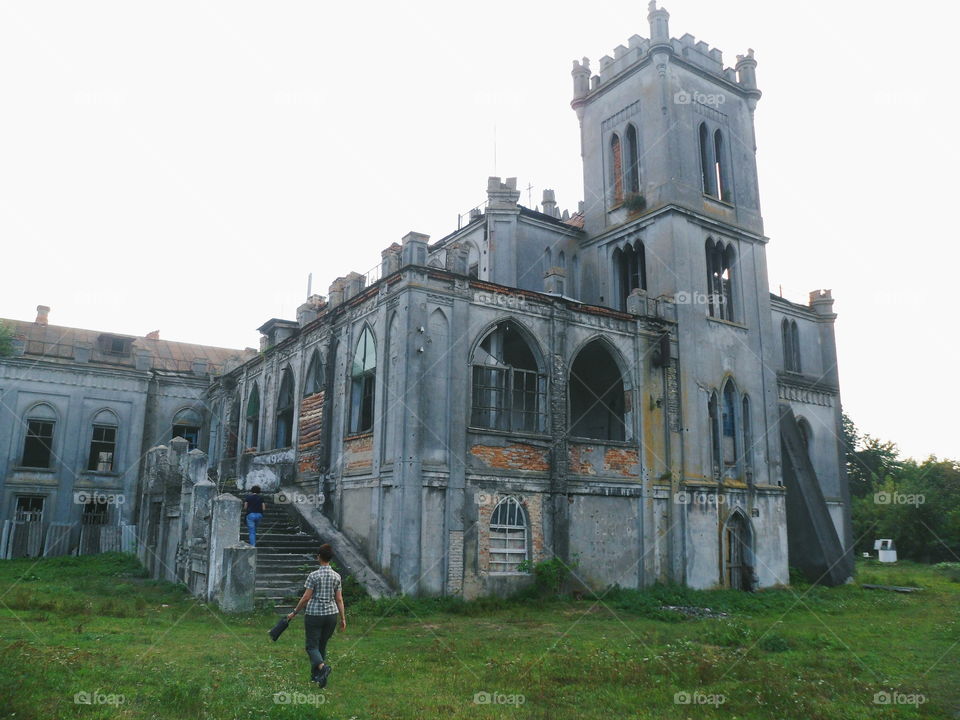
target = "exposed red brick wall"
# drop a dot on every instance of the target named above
(517, 456)
(358, 453)
(310, 434)
(606, 461)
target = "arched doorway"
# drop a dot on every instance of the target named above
(737, 553)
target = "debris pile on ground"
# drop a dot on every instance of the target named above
(695, 611)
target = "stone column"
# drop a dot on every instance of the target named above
(238, 580)
(224, 532)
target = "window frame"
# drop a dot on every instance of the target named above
(47, 447)
(507, 533)
(94, 461)
(363, 380)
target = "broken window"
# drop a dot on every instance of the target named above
(313, 383)
(720, 263)
(363, 376)
(284, 426)
(508, 536)
(509, 391)
(29, 508)
(616, 169)
(633, 161)
(38, 442)
(253, 418)
(597, 397)
(186, 424)
(630, 264)
(103, 446)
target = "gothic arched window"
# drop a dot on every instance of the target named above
(363, 376)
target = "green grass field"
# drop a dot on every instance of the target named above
(90, 637)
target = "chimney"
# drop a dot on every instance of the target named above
(153, 335)
(42, 314)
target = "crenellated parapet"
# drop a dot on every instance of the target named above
(687, 48)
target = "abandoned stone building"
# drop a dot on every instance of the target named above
(615, 386)
(80, 409)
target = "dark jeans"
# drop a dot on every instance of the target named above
(319, 629)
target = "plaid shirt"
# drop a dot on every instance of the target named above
(324, 582)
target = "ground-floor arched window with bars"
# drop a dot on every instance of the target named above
(509, 533)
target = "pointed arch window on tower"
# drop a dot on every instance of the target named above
(633, 161)
(616, 169)
(747, 431)
(631, 268)
(720, 263)
(713, 413)
(720, 168)
(707, 170)
(729, 417)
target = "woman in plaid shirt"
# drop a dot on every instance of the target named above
(324, 602)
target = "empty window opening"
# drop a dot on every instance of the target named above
(806, 434)
(508, 536)
(284, 424)
(29, 508)
(186, 425)
(616, 168)
(707, 169)
(790, 334)
(631, 267)
(633, 161)
(720, 263)
(315, 377)
(509, 391)
(713, 412)
(38, 444)
(363, 376)
(729, 426)
(103, 446)
(720, 168)
(747, 428)
(253, 418)
(597, 396)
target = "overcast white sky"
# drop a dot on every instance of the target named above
(183, 166)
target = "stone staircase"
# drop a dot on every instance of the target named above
(285, 556)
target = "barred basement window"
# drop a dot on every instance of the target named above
(94, 513)
(29, 508)
(508, 536)
(103, 445)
